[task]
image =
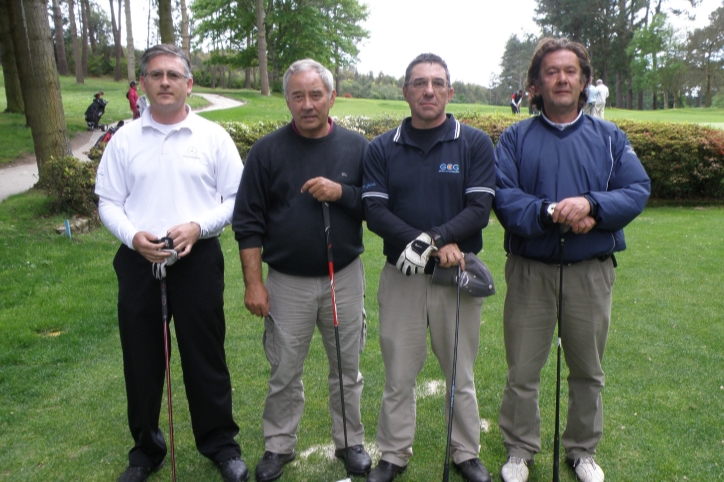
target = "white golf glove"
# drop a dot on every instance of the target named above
(416, 255)
(159, 269)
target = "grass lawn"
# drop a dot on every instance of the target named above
(62, 401)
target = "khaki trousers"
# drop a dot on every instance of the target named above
(409, 306)
(297, 305)
(529, 321)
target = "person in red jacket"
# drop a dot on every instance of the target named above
(132, 96)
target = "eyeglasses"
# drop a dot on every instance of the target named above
(173, 76)
(419, 84)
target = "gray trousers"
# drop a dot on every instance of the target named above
(409, 306)
(297, 305)
(529, 321)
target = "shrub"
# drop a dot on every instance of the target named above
(70, 184)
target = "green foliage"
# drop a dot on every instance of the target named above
(246, 134)
(70, 185)
(683, 160)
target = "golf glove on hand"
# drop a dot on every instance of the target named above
(159, 269)
(416, 255)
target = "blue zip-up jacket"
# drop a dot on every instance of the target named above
(448, 190)
(538, 164)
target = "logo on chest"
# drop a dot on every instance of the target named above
(192, 153)
(450, 168)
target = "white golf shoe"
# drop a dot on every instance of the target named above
(587, 470)
(515, 470)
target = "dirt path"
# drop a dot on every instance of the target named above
(22, 174)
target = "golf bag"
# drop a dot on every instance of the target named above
(105, 138)
(94, 112)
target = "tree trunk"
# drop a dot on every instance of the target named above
(165, 22)
(39, 80)
(76, 46)
(261, 47)
(641, 100)
(84, 18)
(247, 78)
(13, 91)
(336, 78)
(91, 28)
(59, 40)
(185, 43)
(130, 49)
(117, 40)
(213, 76)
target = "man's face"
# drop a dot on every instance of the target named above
(166, 85)
(309, 102)
(427, 94)
(560, 84)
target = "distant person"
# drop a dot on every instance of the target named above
(428, 190)
(172, 174)
(559, 170)
(601, 96)
(590, 107)
(142, 104)
(132, 96)
(288, 175)
(515, 100)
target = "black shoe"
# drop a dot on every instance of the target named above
(271, 465)
(385, 472)
(136, 473)
(234, 470)
(473, 470)
(358, 462)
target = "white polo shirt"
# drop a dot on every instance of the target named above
(154, 176)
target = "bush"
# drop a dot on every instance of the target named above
(70, 184)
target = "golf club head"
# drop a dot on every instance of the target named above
(345, 480)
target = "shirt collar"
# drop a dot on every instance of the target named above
(558, 125)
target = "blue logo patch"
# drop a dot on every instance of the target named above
(450, 168)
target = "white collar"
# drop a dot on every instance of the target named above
(561, 126)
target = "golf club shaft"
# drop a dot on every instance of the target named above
(446, 469)
(164, 314)
(557, 436)
(330, 263)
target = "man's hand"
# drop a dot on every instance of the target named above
(323, 189)
(416, 255)
(571, 211)
(256, 299)
(149, 246)
(450, 255)
(584, 225)
(184, 236)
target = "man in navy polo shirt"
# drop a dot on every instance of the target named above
(428, 188)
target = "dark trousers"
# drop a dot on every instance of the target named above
(195, 287)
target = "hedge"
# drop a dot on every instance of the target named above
(684, 161)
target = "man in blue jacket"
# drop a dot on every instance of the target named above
(559, 170)
(428, 190)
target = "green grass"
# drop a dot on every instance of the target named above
(62, 402)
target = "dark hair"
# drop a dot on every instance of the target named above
(547, 46)
(164, 49)
(430, 59)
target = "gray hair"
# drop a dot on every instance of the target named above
(164, 49)
(305, 65)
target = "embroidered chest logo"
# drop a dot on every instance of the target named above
(192, 153)
(450, 168)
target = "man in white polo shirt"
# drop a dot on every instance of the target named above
(174, 175)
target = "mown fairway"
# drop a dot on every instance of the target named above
(62, 402)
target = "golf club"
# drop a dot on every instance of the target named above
(161, 274)
(557, 437)
(446, 469)
(330, 263)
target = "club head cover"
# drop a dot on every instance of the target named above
(475, 280)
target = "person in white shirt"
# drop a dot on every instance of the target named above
(590, 107)
(172, 175)
(601, 96)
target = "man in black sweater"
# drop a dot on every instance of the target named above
(279, 220)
